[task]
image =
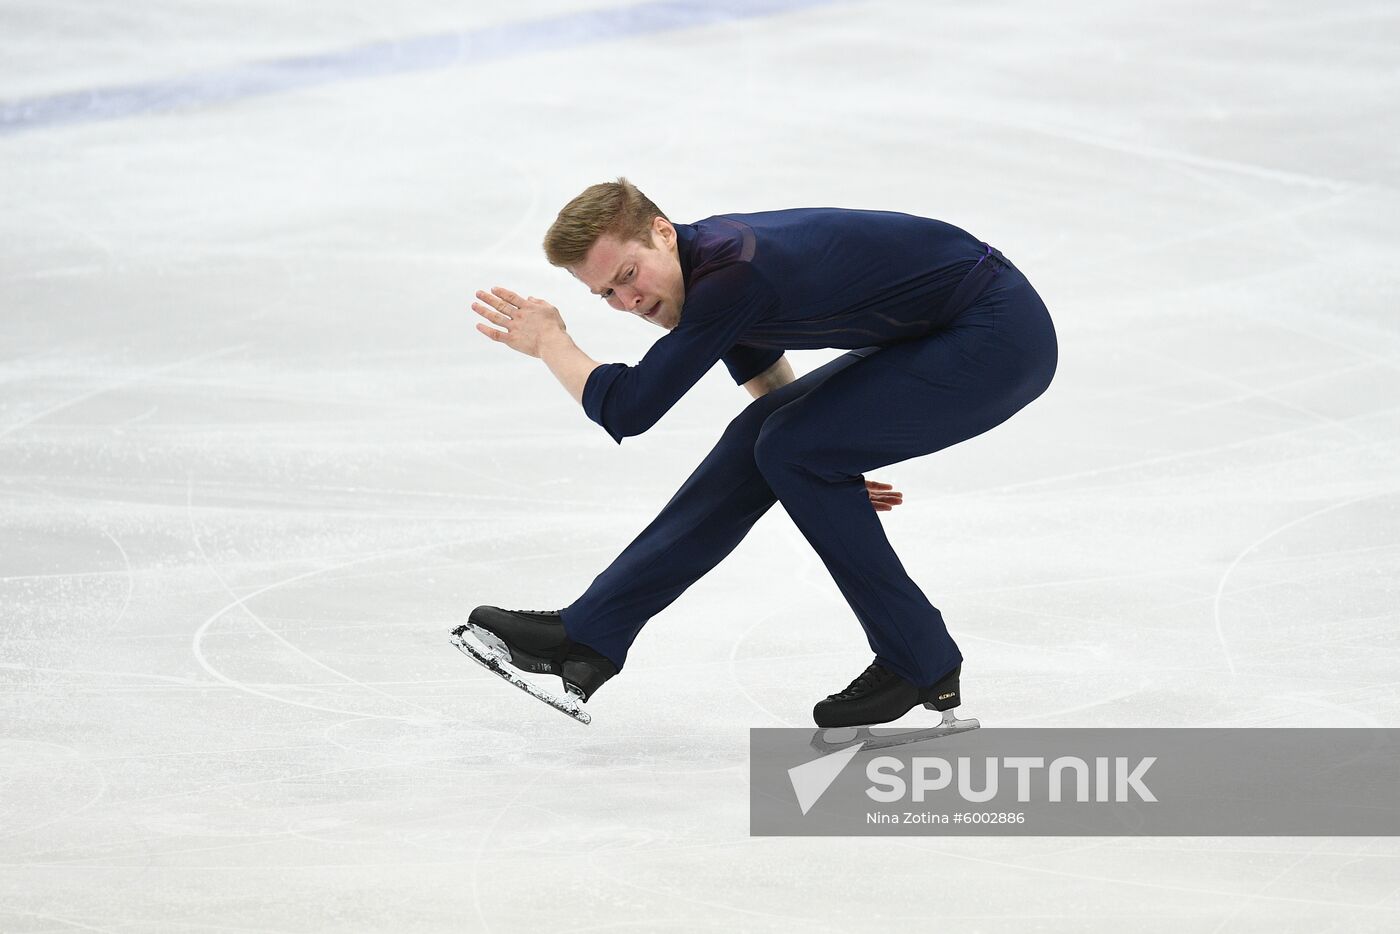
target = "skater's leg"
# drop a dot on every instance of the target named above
(703, 522)
(908, 399)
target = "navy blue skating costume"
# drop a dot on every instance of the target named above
(947, 339)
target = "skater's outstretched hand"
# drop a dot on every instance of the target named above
(522, 323)
(883, 496)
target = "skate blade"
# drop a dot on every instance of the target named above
(490, 642)
(491, 658)
(833, 738)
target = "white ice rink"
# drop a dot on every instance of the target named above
(255, 462)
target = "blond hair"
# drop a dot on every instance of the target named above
(617, 208)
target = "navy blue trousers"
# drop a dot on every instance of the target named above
(807, 445)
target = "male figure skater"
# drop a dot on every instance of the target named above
(947, 339)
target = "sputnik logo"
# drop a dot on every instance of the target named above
(810, 780)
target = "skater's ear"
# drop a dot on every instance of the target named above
(663, 233)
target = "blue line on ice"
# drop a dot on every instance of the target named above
(393, 57)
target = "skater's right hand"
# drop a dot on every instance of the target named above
(883, 496)
(522, 323)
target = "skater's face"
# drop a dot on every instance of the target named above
(643, 279)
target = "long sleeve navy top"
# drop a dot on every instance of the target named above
(759, 284)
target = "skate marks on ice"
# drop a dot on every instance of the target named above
(498, 664)
(833, 739)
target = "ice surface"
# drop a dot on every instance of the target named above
(255, 463)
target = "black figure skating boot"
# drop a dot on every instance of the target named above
(535, 641)
(879, 696)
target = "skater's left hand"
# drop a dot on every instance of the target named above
(883, 496)
(526, 321)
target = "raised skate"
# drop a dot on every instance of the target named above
(534, 641)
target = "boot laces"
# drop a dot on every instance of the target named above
(868, 679)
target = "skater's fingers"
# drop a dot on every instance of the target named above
(492, 333)
(508, 295)
(490, 314)
(876, 485)
(884, 504)
(502, 305)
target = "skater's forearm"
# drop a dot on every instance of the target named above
(567, 362)
(779, 374)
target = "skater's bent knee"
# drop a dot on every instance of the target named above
(776, 448)
(743, 429)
